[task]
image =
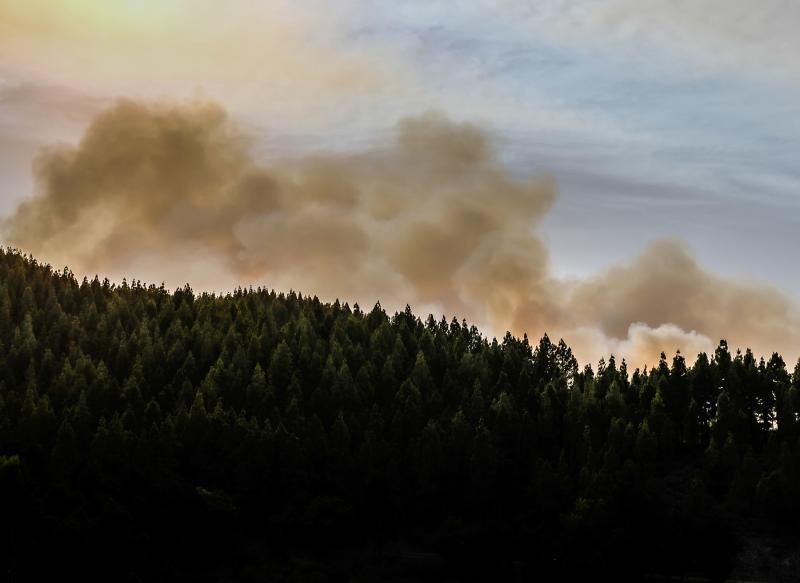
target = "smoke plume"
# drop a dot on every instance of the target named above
(433, 219)
(664, 300)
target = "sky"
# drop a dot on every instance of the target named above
(666, 128)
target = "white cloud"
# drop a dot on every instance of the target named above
(642, 344)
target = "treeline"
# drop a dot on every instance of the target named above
(147, 435)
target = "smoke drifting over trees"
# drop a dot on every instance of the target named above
(431, 218)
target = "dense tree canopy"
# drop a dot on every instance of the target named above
(148, 435)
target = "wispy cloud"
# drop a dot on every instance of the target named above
(760, 36)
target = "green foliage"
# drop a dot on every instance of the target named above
(165, 432)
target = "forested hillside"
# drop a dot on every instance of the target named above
(147, 435)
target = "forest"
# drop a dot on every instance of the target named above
(157, 435)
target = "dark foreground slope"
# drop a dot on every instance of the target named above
(156, 436)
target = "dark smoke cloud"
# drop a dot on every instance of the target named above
(432, 219)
